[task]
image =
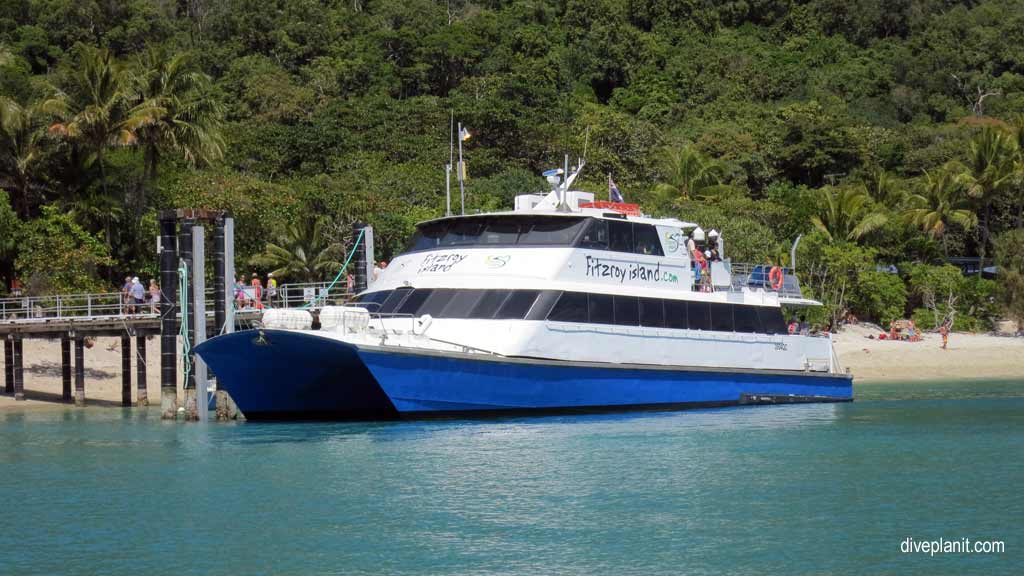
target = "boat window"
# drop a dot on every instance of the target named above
(772, 321)
(489, 304)
(552, 231)
(412, 304)
(517, 305)
(645, 240)
(504, 231)
(463, 233)
(462, 304)
(746, 319)
(596, 235)
(372, 300)
(427, 236)
(627, 311)
(394, 300)
(545, 302)
(721, 317)
(571, 307)
(435, 303)
(675, 314)
(652, 313)
(698, 315)
(600, 309)
(620, 236)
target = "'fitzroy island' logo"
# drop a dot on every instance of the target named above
(497, 261)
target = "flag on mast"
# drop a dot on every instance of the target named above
(613, 191)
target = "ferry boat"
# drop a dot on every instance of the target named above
(562, 304)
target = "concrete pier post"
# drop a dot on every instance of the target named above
(142, 394)
(9, 365)
(79, 371)
(168, 314)
(359, 264)
(19, 372)
(126, 369)
(65, 368)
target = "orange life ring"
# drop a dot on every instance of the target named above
(775, 278)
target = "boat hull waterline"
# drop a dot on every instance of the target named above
(287, 375)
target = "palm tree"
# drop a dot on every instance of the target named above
(186, 119)
(96, 210)
(989, 170)
(939, 202)
(689, 173)
(847, 214)
(884, 188)
(301, 252)
(22, 149)
(101, 110)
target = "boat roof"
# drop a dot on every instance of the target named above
(582, 212)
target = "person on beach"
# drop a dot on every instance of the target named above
(944, 331)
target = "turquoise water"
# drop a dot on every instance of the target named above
(809, 489)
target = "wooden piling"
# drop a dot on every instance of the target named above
(65, 368)
(19, 373)
(142, 395)
(79, 371)
(9, 365)
(126, 369)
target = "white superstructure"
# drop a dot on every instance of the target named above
(558, 278)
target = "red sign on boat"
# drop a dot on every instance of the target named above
(621, 207)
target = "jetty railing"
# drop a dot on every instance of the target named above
(111, 304)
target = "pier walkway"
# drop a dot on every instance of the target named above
(75, 318)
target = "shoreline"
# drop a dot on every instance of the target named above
(872, 361)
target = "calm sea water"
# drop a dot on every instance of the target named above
(813, 489)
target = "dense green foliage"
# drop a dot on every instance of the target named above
(888, 133)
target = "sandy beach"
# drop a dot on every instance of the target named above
(42, 374)
(870, 360)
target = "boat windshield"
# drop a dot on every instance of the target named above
(497, 231)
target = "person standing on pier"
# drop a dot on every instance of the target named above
(138, 295)
(126, 296)
(257, 291)
(154, 297)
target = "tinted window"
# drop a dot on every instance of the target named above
(413, 302)
(627, 311)
(652, 313)
(517, 304)
(435, 303)
(771, 320)
(746, 320)
(427, 236)
(698, 315)
(601, 311)
(721, 317)
(394, 300)
(545, 302)
(620, 236)
(557, 231)
(372, 300)
(463, 233)
(675, 314)
(489, 304)
(645, 240)
(596, 235)
(571, 307)
(503, 231)
(462, 304)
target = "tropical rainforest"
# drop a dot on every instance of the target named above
(887, 134)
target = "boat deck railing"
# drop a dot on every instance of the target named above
(753, 276)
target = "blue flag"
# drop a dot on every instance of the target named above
(613, 191)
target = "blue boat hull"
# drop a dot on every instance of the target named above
(273, 374)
